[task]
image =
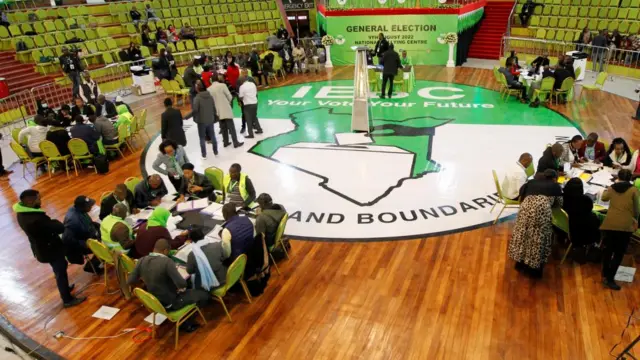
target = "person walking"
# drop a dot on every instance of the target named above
(172, 124)
(391, 63)
(222, 98)
(203, 109)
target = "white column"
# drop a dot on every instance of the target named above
(451, 62)
(328, 63)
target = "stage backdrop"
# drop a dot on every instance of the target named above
(417, 34)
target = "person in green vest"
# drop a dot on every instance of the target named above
(238, 188)
(118, 215)
(124, 116)
(404, 59)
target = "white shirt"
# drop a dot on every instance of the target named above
(514, 178)
(248, 93)
(36, 135)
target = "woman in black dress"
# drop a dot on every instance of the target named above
(584, 224)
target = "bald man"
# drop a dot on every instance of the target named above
(516, 176)
(149, 192)
(551, 159)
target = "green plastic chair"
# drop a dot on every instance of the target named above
(123, 132)
(235, 273)
(279, 241)
(79, 151)
(565, 89)
(51, 153)
(26, 159)
(14, 134)
(131, 183)
(597, 86)
(505, 202)
(179, 316)
(560, 219)
(216, 176)
(546, 87)
(103, 254)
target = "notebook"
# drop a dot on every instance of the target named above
(212, 209)
(193, 205)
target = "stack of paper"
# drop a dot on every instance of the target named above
(106, 312)
(193, 205)
(625, 274)
(602, 178)
(590, 167)
(212, 209)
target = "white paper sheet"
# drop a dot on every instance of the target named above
(183, 252)
(105, 312)
(193, 205)
(353, 138)
(212, 209)
(183, 272)
(625, 274)
(159, 318)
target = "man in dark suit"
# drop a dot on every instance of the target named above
(121, 195)
(551, 159)
(560, 75)
(46, 245)
(171, 124)
(86, 132)
(391, 62)
(105, 107)
(382, 45)
(81, 108)
(195, 184)
(540, 61)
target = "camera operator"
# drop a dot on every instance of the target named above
(70, 62)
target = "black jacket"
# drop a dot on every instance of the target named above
(190, 76)
(560, 75)
(584, 225)
(78, 228)
(110, 108)
(106, 206)
(44, 235)
(540, 61)
(135, 15)
(171, 122)
(70, 63)
(198, 180)
(391, 62)
(61, 139)
(89, 134)
(62, 121)
(547, 161)
(381, 47)
(86, 110)
(143, 194)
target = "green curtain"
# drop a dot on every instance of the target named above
(466, 21)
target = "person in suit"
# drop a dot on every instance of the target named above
(171, 124)
(540, 61)
(592, 150)
(222, 98)
(81, 108)
(194, 184)
(120, 195)
(162, 279)
(172, 156)
(105, 107)
(391, 63)
(89, 90)
(561, 74)
(512, 82)
(551, 159)
(86, 132)
(59, 136)
(44, 237)
(78, 228)
(64, 118)
(382, 45)
(149, 192)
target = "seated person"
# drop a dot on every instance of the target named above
(80, 108)
(33, 135)
(551, 159)
(86, 132)
(560, 75)
(120, 195)
(570, 154)
(512, 82)
(237, 234)
(514, 177)
(60, 137)
(205, 262)
(78, 228)
(64, 118)
(105, 107)
(124, 116)
(584, 225)
(162, 279)
(568, 65)
(540, 61)
(619, 155)
(149, 192)
(155, 229)
(120, 102)
(195, 184)
(118, 215)
(546, 72)
(269, 217)
(514, 60)
(404, 59)
(135, 15)
(592, 149)
(238, 188)
(121, 234)
(106, 130)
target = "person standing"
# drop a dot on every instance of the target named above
(89, 89)
(584, 224)
(600, 46)
(619, 224)
(71, 66)
(382, 45)
(391, 63)
(46, 245)
(222, 98)
(248, 94)
(171, 124)
(203, 110)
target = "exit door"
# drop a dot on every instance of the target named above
(299, 21)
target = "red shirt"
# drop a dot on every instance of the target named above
(206, 78)
(233, 73)
(514, 71)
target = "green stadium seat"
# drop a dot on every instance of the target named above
(184, 12)
(623, 27)
(559, 35)
(583, 12)
(635, 3)
(613, 25)
(625, 3)
(553, 22)
(555, 10)
(39, 41)
(50, 40)
(15, 30)
(60, 38)
(62, 12)
(224, 8)
(564, 10)
(551, 34)
(573, 22)
(568, 36)
(544, 21)
(603, 12)
(613, 13)
(593, 12)
(603, 24)
(60, 26)
(573, 11)
(622, 13)
(634, 27)
(73, 11)
(633, 14)
(562, 23)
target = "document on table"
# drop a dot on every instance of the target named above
(105, 312)
(602, 178)
(212, 209)
(589, 166)
(193, 205)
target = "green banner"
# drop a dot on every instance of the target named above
(416, 34)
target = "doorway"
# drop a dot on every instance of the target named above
(299, 21)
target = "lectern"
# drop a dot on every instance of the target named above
(360, 114)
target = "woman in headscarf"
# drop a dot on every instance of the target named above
(155, 229)
(205, 262)
(584, 224)
(172, 156)
(530, 244)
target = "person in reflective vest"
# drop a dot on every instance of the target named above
(238, 188)
(124, 117)
(118, 215)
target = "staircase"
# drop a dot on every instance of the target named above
(20, 76)
(487, 41)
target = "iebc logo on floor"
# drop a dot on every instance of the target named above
(425, 169)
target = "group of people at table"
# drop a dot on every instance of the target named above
(150, 240)
(606, 229)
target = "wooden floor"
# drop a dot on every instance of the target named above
(450, 297)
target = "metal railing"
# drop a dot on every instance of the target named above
(15, 110)
(620, 62)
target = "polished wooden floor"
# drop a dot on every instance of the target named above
(449, 297)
